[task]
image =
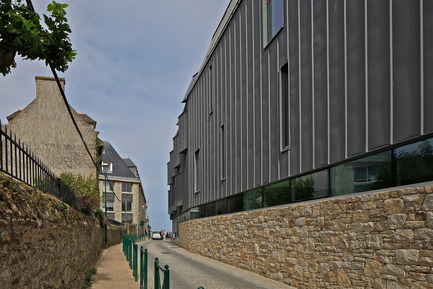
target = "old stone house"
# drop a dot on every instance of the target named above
(46, 128)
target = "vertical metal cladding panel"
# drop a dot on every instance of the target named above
(265, 117)
(273, 131)
(237, 105)
(306, 88)
(336, 80)
(406, 64)
(217, 122)
(223, 111)
(244, 96)
(428, 65)
(320, 84)
(231, 113)
(356, 113)
(294, 86)
(283, 159)
(257, 95)
(378, 73)
(250, 95)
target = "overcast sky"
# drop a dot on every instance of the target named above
(135, 61)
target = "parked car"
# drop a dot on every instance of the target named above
(156, 235)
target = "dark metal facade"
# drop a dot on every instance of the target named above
(359, 76)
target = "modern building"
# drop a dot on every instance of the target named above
(122, 195)
(47, 129)
(305, 99)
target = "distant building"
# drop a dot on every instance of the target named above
(125, 200)
(300, 100)
(46, 128)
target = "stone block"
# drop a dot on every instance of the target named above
(403, 236)
(374, 241)
(372, 268)
(428, 203)
(407, 256)
(413, 202)
(394, 206)
(397, 221)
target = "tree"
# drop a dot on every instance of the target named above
(21, 33)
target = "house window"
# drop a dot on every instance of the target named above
(272, 18)
(110, 206)
(127, 202)
(107, 167)
(197, 172)
(108, 186)
(285, 108)
(127, 187)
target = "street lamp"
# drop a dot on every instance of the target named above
(104, 170)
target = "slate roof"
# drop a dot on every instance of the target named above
(120, 167)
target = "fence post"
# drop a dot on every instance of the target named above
(156, 280)
(143, 268)
(166, 277)
(134, 262)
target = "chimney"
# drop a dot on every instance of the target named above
(47, 85)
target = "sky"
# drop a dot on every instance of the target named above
(135, 61)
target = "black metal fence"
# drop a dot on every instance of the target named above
(19, 162)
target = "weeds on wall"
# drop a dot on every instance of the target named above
(86, 189)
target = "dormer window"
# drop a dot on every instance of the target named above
(107, 167)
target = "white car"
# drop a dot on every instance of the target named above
(156, 236)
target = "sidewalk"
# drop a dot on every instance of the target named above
(113, 271)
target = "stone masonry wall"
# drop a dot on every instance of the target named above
(375, 240)
(44, 243)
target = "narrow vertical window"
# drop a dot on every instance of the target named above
(285, 107)
(223, 153)
(197, 171)
(272, 18)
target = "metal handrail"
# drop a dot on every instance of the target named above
(157, 281)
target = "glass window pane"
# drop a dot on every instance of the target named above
(311, 186)
(202, 211)
(221, 207)
(234, 204)
(276, 194)
(126, 187)
(414, 162)
(253, 199)
(369, 173)
(210, 209)
(274, 17)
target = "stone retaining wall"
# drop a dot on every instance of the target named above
(43, 243)
(374, 240)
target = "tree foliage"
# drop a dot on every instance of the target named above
(22, 33)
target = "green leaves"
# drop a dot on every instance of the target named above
(21, 33)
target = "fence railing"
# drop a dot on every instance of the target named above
(157, 279)
(19, 162)
(137, 257)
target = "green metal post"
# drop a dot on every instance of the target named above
(143, 268)
(134, 264)
(166, 277)
(156, 280)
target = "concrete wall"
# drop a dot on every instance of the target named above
(373, 240)
(43, 243)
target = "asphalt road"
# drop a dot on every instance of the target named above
(189, 270)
